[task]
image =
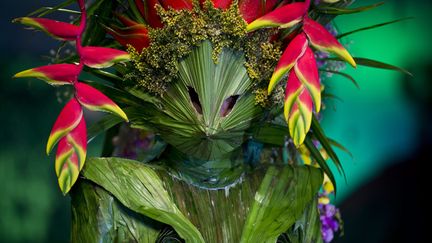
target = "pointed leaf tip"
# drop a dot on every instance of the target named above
(323, 40)
(94, 100)
(102, 57)
(68, 119)
(56, 74)
(283, 17)
(56, 29)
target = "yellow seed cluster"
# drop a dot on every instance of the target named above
(156, 66)
(261, 97)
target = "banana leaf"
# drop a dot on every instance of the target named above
(267, 202)
(99, 217)
(138, 187)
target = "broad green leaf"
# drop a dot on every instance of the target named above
(307, 228)
(271, 134)
(98, 217)
(372, 27)
(339, 11)
(138, 187)
(280, 201)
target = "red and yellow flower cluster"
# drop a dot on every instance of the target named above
(69, 130)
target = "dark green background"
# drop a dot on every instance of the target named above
(377, 123)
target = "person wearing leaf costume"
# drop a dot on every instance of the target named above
(227, 91)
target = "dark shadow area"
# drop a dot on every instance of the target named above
(394, 207)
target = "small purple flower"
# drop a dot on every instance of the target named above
(331, 222)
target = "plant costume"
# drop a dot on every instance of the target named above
(221, 101)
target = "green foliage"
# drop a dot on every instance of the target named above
(205, 126)
(381, 65)
(306, 229)
(99, 217)
(280, 201)
(139, 188)
(372, 27)
(339, 11)
(128, 196)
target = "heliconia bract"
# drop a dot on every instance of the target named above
(297, 108)
(94, 100)
(323, 40)
(102, 57)
(69, 130)
(307, 71)
(68, 119)
(56, 74)
(57, 29)
(300, 118)
(70, 156)
(283, 17)
(292, 53)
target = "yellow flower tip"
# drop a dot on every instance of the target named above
(49, 146)
(324, 200)
(23, 74)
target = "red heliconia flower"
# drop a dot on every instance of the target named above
(323, 40)
(56, 74)
(148, 11)
(289, 58)
(253, 9)
(133, 34)
(306, 70)
(68, 119)
(303, 88)
(94, 100)
(283, 17)
(102, 57)
(302, 93)
(70, 156)
(57, 29)
(69, 130)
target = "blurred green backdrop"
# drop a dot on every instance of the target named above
(376, 123)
